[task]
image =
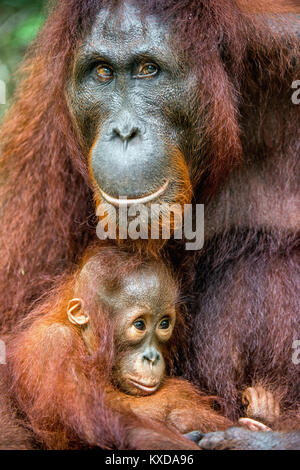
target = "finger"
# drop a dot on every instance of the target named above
(253, 425)
(263, 398)
(277, 408)
(250, 400)
(247, 396)
(261, 392)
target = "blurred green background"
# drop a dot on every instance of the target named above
(20, 21)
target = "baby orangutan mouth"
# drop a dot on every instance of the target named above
(149, 389)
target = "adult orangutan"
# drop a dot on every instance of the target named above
(169, 102)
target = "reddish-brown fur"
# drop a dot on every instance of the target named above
(48, 204)
(66, 393)
(14, 435)
(250, 336)
(245, 165)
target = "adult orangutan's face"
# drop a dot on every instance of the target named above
(128, 95)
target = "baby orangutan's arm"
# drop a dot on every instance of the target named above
(178, 404)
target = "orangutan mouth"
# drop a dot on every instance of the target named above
(144, 387)
(127, 201)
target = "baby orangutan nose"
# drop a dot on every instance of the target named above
(152, 356)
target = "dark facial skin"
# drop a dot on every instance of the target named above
(142, 309)
(125, 93)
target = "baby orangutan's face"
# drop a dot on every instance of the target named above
(143, 312)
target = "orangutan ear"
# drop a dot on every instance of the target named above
(76, 313)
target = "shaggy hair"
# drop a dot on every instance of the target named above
(243, 159)
(47, 210)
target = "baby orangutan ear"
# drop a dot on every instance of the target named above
(76, 313)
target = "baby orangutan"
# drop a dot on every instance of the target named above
(93, 362)
(141, 307)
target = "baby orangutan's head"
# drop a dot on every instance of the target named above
(140, 298)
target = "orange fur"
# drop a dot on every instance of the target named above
(270, 6)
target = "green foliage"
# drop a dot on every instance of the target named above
(20, 21)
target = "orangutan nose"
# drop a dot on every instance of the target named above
(152, 356)
(125, 134)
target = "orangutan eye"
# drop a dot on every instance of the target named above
(140, 325)
(104, 72)
(164, 324)
(147, 70)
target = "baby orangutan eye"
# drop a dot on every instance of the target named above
(164, 324)
(140, 325)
